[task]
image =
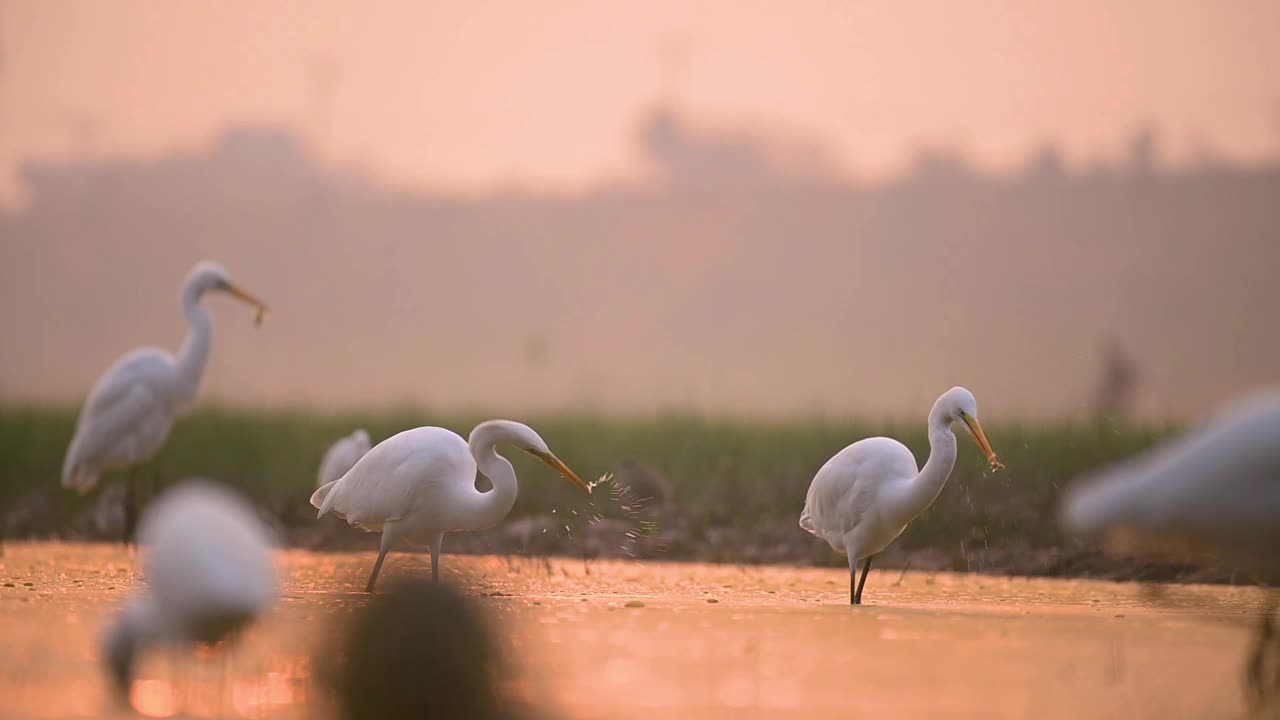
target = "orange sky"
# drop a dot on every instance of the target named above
(455, 97)
(471, 95)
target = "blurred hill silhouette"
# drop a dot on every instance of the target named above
(747, 276)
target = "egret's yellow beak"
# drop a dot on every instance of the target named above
(559, 467)
(244, 295)
(975, 427)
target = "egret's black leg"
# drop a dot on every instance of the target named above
(435, 557)
(866, 568)
(853, 583)
(377, 567)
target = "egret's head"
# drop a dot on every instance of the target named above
(955, 404)
(959, 405)
(537, 448)
(209, 276)
(522, 436)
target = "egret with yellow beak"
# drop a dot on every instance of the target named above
(862, 499)
(131, 409)
(423, 482)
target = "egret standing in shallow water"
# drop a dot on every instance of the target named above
(863, 498)
(209, 573)
(342, 456)
(422, 482)
(128, 415)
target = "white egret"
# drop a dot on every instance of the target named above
(863, 498)
(209, 573)
(422, 482)
(128, 415)
(342, 455)
(1212, 494)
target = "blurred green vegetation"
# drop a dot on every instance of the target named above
(748, 477)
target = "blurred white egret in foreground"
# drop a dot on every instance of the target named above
(209, 573)
(342, 456)
(863, 498)
(1212, 495)
(128, 415)
(422, 482)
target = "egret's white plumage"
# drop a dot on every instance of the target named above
(1212, 494)
(209, 573)
(342, 456)
(130, 410)
(422, 482)
(864, 496)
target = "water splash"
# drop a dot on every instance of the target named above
(619, 503)
(644, 531)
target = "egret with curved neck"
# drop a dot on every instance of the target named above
(864, 497)
(422, 482)
(128, 414)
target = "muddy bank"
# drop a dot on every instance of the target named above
(649, 531)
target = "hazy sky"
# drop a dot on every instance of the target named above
(679, 283)
(472, 95)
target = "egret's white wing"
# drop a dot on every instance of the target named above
(125, 419)
(399, 477)
(846, 487)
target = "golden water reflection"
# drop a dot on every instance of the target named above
(154, 698)
(631, 640)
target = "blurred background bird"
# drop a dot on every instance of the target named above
(131, 408)
(342, 455)
(336, 461)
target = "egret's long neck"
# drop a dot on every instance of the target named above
(924, 488)
(489, 508)
(194, 354)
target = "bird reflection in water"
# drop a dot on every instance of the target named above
(420, 651)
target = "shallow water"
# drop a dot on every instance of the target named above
(706, 641)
